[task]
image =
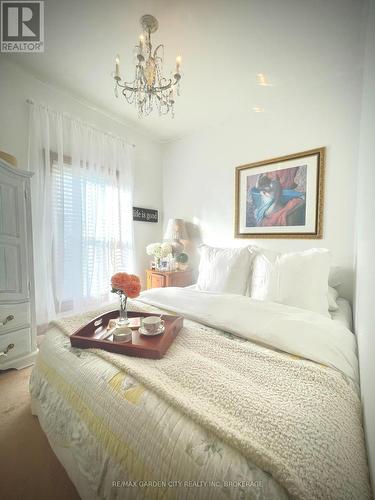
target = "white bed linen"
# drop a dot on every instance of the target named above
(298, 279)
(64, 379)
(224, 269)
(296, 331)
(343, 314)
(106, 427)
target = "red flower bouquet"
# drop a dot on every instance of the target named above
(125, 285)
(129, 284)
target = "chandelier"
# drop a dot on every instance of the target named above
(150, 89)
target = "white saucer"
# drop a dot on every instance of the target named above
(143, 331)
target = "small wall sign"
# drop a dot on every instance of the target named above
(145, 214)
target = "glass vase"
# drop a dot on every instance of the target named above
(123, 313)
(157, 263)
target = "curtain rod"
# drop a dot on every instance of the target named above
(30, 101)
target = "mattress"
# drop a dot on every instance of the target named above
(117, 439)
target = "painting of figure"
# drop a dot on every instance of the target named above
(277, 198)
(281, 197)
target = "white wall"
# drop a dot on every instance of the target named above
(16, 86)
(365, 247)
(199, 169)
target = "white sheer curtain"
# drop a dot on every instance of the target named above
(82, 211)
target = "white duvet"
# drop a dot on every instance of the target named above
(289, 329)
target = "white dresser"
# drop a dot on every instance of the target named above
(17, 298)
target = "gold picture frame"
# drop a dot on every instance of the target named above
(281, 197)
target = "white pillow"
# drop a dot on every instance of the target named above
(298, 279)
(335, 276)
(263, 274)
(332, 297)
(224, 270)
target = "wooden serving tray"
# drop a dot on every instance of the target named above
(89, 336)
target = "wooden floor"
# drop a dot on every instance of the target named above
(28, 467)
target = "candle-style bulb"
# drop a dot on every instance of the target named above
(117, 70)
(178, 63)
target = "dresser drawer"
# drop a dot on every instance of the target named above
(161, 279)
(14, 316)
(22, 345)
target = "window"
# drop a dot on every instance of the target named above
(87, 236)
(82, 211)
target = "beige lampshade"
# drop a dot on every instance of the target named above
(176, 230)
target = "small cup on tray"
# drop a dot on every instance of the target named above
(152, 325)
(122, 334)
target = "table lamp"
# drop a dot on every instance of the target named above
(176, 231)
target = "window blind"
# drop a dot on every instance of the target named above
(86, 221)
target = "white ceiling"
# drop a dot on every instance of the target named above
(223, 43)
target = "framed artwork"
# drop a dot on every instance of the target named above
(282, 197)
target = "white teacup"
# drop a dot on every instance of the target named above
(152, 324)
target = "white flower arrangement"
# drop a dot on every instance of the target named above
(166, 249)
(154, 249)
(159, 250)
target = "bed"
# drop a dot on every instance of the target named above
(253, 400)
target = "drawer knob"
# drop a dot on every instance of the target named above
(7, 319)
(4, 353)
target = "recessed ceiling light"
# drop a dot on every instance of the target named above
(258, 109)
(262, 80)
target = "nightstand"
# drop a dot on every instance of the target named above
(162, 279)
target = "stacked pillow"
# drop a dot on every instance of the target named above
(332, 296)
(299, 279)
